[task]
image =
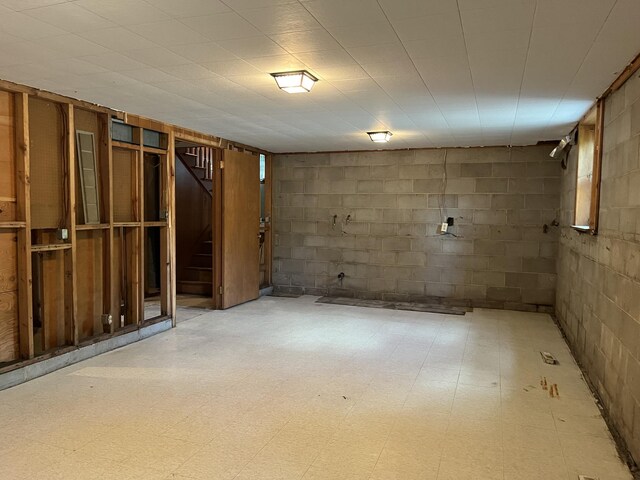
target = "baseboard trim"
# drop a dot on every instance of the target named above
(48, 365)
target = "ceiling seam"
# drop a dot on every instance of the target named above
(524, 71)
(466, 49)
(584, 59)
(417, 71)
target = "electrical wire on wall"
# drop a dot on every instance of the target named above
(442, 197)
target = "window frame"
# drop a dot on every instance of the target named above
(596, 175)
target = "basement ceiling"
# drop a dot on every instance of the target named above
(434, 72)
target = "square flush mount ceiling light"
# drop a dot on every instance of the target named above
(380, 137)
(299, 81)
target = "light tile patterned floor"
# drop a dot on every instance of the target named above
(284, 388)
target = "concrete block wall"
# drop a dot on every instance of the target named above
(598, 297)
(387, 206)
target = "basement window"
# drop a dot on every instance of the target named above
(589, 142)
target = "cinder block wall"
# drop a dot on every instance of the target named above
(387, 206)
(598, 299)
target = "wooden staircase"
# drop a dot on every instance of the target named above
(199, 162)
(197, 277)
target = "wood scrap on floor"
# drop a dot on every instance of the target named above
(408, 306)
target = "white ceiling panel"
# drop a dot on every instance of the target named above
(69, 17)
(345, 13)
(168, 33)
(307, 41)
(117, 39)
(222, 26)
(137, 11)
(435, 72)
(189, 8)
(283, 18)
(417, 8)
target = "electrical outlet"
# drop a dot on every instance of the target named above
(63, 234)
(444, 227)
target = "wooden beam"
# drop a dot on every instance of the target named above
(216, 229)
(110, 270)
(597, 168)
(139, 251)
(625, 75)
(23, 209)
(170, 205)
(70, 270)
(54, 97)
(268, 211)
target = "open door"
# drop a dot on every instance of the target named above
(240, 228)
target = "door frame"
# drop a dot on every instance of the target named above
(216, 212)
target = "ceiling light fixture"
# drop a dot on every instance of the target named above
(380, 137)
(299, 81)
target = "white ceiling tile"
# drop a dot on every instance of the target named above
(222, 26)
(364, 34)
(110, 79)
(261, 46)
(356, 85)
(113, 61)
(149, 75)
(124, 12)
(69, 17)
(157, 57)
(20, 5)
(72, 45)
(24, 53)
(73, 66)
(306, 41)
(190, 8)
(277, 63)
(345, 13)
(343, 72)
(231, 67)
(418, 80)
(590, 14)
(168, 33)
(487, 45)
(387, 52)
(417, 8)
(203, 52)
(430, 27)
(290, 17)
(447, 46)
(400, 67)
(247, 4)
(26, 27)
(326, 58)
(512, 15)
(118, 39)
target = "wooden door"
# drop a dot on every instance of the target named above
(240, 228)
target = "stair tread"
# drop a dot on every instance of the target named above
(204, 254)
(194, 282)
(200, 268)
